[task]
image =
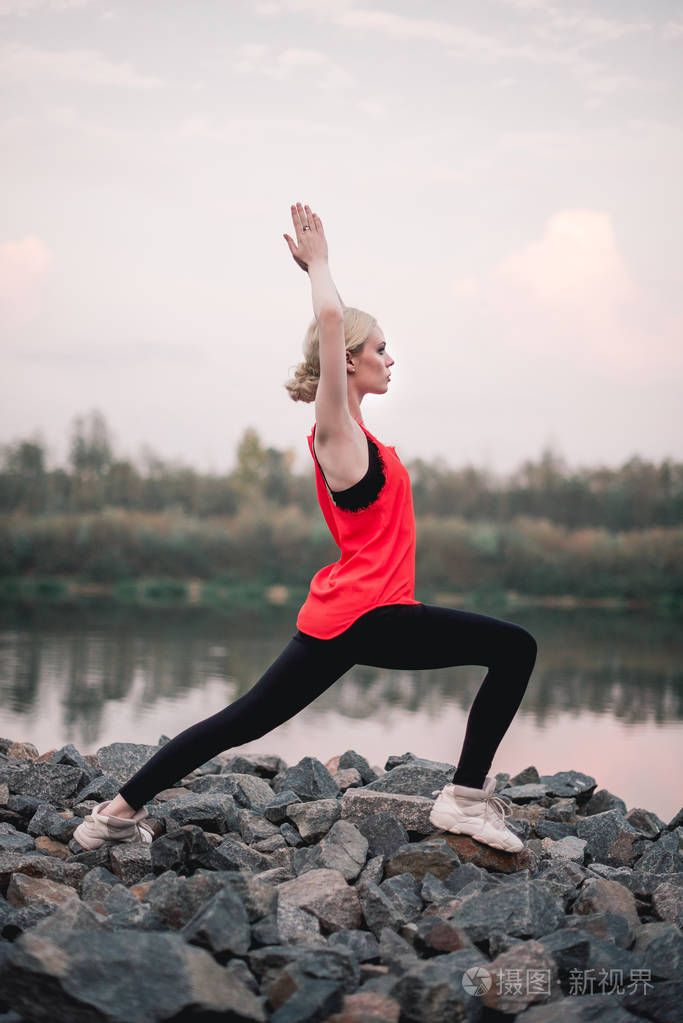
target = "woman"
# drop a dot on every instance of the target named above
(361, 610)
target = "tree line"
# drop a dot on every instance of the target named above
(639, 494)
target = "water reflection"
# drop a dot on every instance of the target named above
(91, 674)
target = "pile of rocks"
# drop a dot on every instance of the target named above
(320, 892)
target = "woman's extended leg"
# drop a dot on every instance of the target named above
(304, 669)
(426, 636)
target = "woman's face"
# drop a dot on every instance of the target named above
(372, 364)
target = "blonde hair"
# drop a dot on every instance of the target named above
(304, 384)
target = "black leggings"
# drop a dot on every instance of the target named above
(407, 636)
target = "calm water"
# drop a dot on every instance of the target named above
(606, 695)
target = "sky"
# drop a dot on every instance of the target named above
(499, 182)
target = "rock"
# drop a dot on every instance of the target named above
(314, 818)
(663, 856)
(12, 840)
(310, 779)
(412, 811)
(600, 896)
(609, 838)
(52, 848)
(232, 854)
(131, 861)
(570, 848)
(37, 865)
(522, 960)
(351, 759)
(211, 811)
(247, 790)
(417, 777)
(667, 902)
(648, 824)
(569, 783)
(181, 850)
(525, 793)
(121, 760)
(468, 850)
(22, 751)
(220, 925)
(175, 900)
(46, 821)
(659, 947)
(76, 976)
(50, 783)
(326, 894)
(101, 789)
(603, 800)
(524, 909)
(383, 832)
(419, 858)
(36, 891)
(344, 849)
(366, 1006)
(276, 810)
(371, 894)
(363, 945)
(264, 765)
(347, 778)
(391, 904)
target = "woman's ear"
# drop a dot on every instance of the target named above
(349, 363)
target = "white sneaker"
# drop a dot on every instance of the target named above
(475, 812)
(98, 828)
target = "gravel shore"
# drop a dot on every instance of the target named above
(321, 892)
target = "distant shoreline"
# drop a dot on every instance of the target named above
(155, 592)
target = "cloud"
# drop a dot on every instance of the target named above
(569, 294)
(259, 59)
(22, 264)
(87, 66)
(576, 263)
(23, 8)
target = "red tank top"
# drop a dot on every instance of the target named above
(377, 545)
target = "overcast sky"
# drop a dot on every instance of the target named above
(499, 180)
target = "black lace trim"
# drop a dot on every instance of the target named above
(364, 493)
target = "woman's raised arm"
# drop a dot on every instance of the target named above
(331, 404)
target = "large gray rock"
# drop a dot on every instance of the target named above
(76, 978)
(383, 832)
(12, 840)
(569, 783)
(523, 909)
(417, 777)
(664, 855)
(310, 779)
(221, 926)
(435, 856)
(247, 790)
(314, 818)
(211, 811)
(175, 900)
(344, 849)
(121, 760)
(412, 811)
(392, 904)
(46, 821)
(326, 894)
(609, 837)
(50, 783)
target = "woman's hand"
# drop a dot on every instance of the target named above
(310, 245)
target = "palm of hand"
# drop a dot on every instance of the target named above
(310, 237)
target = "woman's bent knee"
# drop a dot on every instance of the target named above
(520, 644)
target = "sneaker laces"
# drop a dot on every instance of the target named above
(499, 806)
